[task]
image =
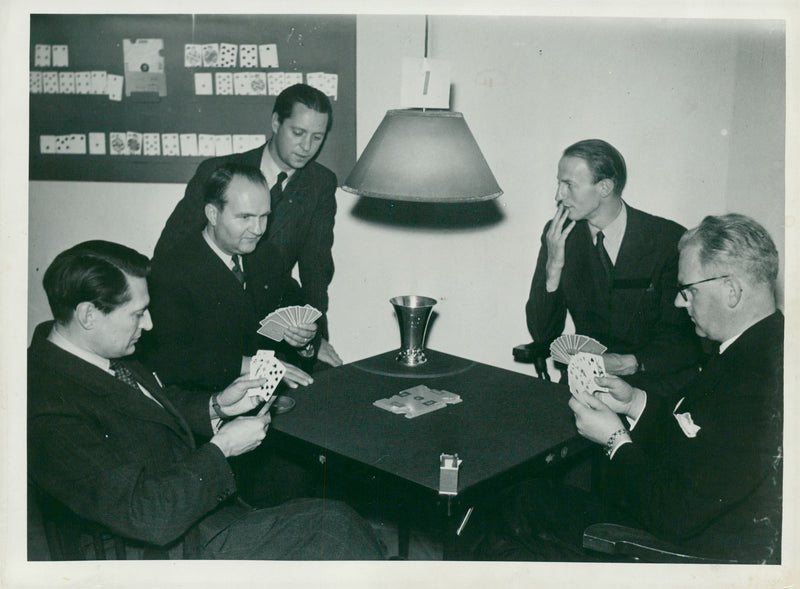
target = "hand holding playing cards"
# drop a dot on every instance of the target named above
(299, 335)
(594, 419)
(621, 397)
(234, 400)
(621, 364)
(241, 435)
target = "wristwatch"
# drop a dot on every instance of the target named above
(308, 351)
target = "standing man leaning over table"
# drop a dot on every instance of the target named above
(303, 195)
(106, 440)
(612, 267)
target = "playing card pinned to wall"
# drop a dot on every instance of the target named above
(426, 83)
(144, 66)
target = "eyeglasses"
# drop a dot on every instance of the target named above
(682, 287)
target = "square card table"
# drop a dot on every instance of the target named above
(506, 426)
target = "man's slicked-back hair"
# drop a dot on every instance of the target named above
(734, 242)
(306, 95)
(94, 272)
(216, 186)
(603, 160)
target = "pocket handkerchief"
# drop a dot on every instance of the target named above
(687, 425)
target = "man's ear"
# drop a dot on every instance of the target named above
(211, 213)
(606, 186)
(733, 293)
(86, 315)
(276, 123)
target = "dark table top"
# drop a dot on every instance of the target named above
(505, 419)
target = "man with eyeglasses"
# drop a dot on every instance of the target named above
(701, 469)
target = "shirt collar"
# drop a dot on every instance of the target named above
(726, 344)
(613, 232)
(58, 339)
(270, 169)
(226, 258)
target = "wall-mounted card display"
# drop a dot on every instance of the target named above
(111, 92)
(134, 143)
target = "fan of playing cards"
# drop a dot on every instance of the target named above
(274, 325)
(265, 365)
(582, 370)
(565, 346)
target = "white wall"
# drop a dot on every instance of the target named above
(681, 100)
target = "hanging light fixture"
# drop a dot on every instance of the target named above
(423, 155)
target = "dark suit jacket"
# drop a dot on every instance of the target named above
(639, 317)
(718, 493)
(203, 321)
(115, 457)
(300, 224)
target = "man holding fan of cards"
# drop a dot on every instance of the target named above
(110, 443)
(303, 201)
(209, 294)
(612, 267)
(701, 468)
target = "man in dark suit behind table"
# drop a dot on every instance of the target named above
(210, 292)
(208, 295)
(702, 468)
(303, 195)
(612, 267)
(113, 446)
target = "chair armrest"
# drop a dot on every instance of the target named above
(535, 353)
(621, 540)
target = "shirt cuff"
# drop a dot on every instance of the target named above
(621, 442)
(216, 422)
(633, 420)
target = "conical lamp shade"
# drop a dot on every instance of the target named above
(425, 156)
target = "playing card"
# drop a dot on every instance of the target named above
(41, 56)
(223, 145)
(276, 83)
(188, 144)
(99, 82)
(170, 144)
(248, 56)
(206, 145)
(563, 347)
(66, 82)
(241, 83)
(211, 55)
(152, 143)
(114, 87)
(265, 365)
(417, 401)
(292, 78)
(203, 84)
(76, 144)
(224, 83)
(47, 144)
(97, 143)
(35, 82)
(192, 55)
(118, 143)
(228, 52)
(582, 370)
(50, 82)
(60, 56)
(134, 143)
(268, 55)
(258, 84)
(272, 329)
(83, 82)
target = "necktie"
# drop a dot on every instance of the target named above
(237, 270)
(124, 374)
(276, 191)
(605, 260)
